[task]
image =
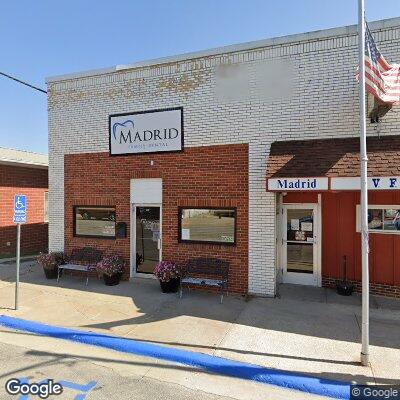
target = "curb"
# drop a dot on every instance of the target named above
(213, 364)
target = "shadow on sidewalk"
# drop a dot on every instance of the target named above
(302, 310)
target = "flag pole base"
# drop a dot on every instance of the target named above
(365, 360)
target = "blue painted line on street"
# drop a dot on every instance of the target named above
(65, 384)
(213, 364)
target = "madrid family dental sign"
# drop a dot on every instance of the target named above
(151, 131)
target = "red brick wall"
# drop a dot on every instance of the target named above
(32, 182)
(200, 176)
(378, 289)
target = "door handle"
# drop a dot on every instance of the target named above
(158, 244)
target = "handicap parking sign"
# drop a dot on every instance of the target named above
(19, 209)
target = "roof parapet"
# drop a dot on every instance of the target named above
(282, 40)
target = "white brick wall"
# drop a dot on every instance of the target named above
(325, 104)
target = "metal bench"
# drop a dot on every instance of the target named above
(206, 272)
(84, 260)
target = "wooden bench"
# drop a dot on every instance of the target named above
(84, 260)
(211, 272)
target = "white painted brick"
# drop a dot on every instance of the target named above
(325, 104)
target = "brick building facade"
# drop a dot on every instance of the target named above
(26, 174)
(233, 98)
(187, 181)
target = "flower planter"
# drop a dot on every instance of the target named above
(171, 286)
(344, 288)
(51, 273)
(112, 280)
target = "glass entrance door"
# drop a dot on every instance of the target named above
(299, 244)
(148, 238)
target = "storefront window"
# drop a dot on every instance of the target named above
(207, 225)
(375, 219)
(385, 219)
(94, 221)
(391, 220)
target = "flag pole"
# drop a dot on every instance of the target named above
(364, 189)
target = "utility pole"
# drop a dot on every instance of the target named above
(364, 189)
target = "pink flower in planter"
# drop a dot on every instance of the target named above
(111, 265)
(166, 270)
(51, 260)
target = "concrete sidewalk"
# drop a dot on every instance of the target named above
(309, 330)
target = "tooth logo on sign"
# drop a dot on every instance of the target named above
(150, 131)
(124, 127)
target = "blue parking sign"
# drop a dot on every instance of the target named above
(19, 209)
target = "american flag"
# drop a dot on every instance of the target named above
(382, 79)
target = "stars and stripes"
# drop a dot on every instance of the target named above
(382, 79)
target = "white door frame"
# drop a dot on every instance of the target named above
(133, 272)
(278, 239)
(295, 277)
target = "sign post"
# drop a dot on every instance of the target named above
(19, 218)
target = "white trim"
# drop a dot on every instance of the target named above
(374, 183)
(376, 207)
(146, 191)
(44, 206)
(278, 238)
(319, 239)
(133, 273)
(299, 278)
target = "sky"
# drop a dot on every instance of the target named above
(44, 38)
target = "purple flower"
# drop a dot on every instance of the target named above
(166, 270)
(51, 260)
(111, 265)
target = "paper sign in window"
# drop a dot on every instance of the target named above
(185, 234)
(156, 236)
(295, 224)
(306, 226)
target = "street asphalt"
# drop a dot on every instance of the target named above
(101, 383)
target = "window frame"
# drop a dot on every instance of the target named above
(75, 207)
(214, 243)
(376, 207)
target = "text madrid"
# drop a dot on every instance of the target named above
(297, 184)
(146, 136)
